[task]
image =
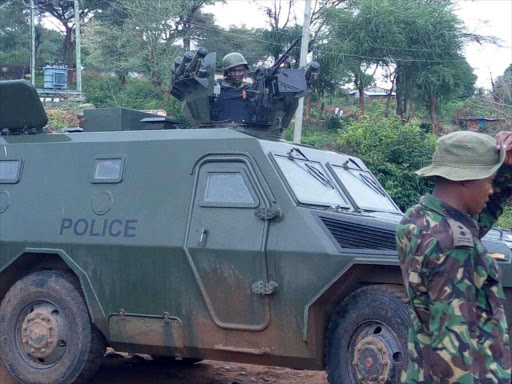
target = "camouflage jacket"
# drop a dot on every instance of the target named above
(459, 331)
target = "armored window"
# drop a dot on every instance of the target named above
(309, 182)
(228, 189)
(364, 188)
(108, 169)
(10, 171)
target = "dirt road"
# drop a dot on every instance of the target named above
(119, 369)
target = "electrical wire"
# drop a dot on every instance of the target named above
(205, 28)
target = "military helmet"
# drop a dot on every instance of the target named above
(233, 59)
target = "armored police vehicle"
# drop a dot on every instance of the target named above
(206, 243)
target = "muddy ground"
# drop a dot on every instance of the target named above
(117, 369)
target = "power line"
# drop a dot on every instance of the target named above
(203, 27)
(329, 52)
(336, 54)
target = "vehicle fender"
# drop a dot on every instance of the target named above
(96, 311)
(356, 274)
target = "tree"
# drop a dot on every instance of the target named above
(64, 12)
(145, 36)
(501, 101)
(360, 34)
(445, 81)
(393, 151)
(15, 37)
(118, 51)
(14, 34)
(419, 42)
(236, 39)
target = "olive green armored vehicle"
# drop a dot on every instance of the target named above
(219, 242)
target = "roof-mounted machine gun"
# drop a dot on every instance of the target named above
(277, 90)
(273, 96)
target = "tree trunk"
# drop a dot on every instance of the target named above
(412, 112)
(308, 108)
(433, 116)
(360, 87)
(390, 97)
(411, 106)
(399, 101)
(122, 77)
(405, 107)
(322, 106)
(69, 52)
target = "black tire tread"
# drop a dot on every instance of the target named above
(91, 362)
(338, 315)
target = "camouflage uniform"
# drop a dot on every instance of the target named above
(459, 331)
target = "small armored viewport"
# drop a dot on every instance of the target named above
(21, 111)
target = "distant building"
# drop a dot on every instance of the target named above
(479, 123)
(372, 93)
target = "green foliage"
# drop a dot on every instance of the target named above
(106, 92)
(505, 220)
(62, 115)
(313, 137)
(501, 103)
(14, 35)
(333, 123)
(239, 39)
(279, 39)
(393, 151)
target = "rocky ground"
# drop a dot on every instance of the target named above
(137, 369)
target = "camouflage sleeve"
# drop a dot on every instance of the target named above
(502, 186)
(414, 245)
(452, 308)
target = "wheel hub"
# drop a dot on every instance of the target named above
(42, 334)
(39, 334)
(372, 361)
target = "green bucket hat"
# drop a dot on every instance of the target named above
(465, 155)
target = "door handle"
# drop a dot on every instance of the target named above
(202, 237)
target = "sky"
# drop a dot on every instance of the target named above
(485, 17)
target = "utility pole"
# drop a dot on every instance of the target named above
(297, 133)
(32, 45)
(77, 48)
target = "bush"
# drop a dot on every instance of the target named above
(505, 220)
(313, 137)
(393, 151)
(333, 123)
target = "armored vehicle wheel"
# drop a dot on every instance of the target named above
(46, 335)
(367, 337)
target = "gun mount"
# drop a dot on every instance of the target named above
(273, 95)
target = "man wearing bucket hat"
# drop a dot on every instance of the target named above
(459, 332)
(232, 103)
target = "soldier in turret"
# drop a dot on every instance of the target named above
(232, 103)
(459, 332)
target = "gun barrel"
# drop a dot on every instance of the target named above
(284, 56)
(313, 67)
(187, 57)
(200, 54)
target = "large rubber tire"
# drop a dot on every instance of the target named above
(46, 335)
(366, 341)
